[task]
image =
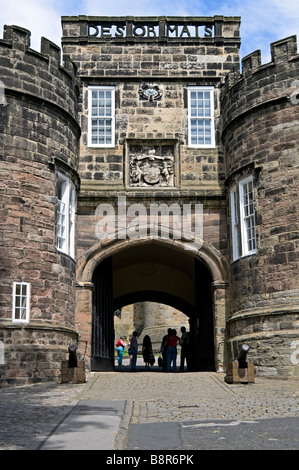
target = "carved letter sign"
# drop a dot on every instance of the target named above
(149, 29)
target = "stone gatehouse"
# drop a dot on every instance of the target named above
(143, 166)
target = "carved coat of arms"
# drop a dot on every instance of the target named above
(151, 170)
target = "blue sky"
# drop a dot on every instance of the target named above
(262, 21)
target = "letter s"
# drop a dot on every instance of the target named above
(208, 31)
(119, 31)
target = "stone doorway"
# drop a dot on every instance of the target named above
(148, 271)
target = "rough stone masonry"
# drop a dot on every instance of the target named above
(157, 110)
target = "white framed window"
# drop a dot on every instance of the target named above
(201, 127)
(21, 302)
(65, 215)
(234, 203)
(101, 116)
(243, 218)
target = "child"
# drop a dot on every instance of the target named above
(120, 346)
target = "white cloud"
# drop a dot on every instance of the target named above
(139, 8)
(41, 17)
(263, 21)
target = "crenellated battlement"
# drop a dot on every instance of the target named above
(258, 83)
(39, 95)
(283, 52)
(18, 38)
(41, 74)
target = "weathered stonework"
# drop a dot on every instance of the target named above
(260, 134)
(127, 63)
(39, 133)
(150, 63)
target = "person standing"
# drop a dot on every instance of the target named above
(133, 349)
(147, 350)
(120, 346)
(185, 351)
(173, 341)
(163, 349)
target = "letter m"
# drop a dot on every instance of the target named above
(161, 217)
(172, 29)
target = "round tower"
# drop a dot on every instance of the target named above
(261, 140)
(156, 319)
(149, 318)
(39, 150)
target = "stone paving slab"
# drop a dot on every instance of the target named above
(29, 411)
(90, 425)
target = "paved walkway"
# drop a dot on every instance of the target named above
(97, 414)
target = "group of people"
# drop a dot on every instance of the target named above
(147, 351)
(168, 350)
(132, 350)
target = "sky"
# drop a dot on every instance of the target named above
(262, 21)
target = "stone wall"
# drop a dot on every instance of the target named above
(260, 135)
(173, 64)
(149, 318)
(39, 134)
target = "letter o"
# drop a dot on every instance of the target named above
(138, 35)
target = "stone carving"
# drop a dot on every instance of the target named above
(150, 92)
(151, 170)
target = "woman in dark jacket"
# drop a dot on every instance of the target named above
(147, 350)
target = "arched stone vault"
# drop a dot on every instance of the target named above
(206, 254)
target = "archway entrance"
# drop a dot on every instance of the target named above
(158, 273)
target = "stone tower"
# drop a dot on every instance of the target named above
(39, 159)
(260, 135)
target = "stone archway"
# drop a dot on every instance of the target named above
(166, 256)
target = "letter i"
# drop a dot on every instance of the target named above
(122, 217)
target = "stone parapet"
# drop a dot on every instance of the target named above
(139, 47)
(28, 71)
(259, 85)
